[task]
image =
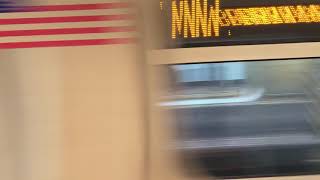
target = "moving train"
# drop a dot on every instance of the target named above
(236, 86)
(159, 89)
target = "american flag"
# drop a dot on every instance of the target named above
(66, 25)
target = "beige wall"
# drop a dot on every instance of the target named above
(71, 113)
(30, 114)
(103, 113)
(8, 117)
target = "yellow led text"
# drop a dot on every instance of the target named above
(196, 18)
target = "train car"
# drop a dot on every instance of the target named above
(234, 89)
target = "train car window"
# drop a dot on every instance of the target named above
(247, 119)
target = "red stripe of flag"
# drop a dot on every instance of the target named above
(67, 31)
(66, 19)
(14, 45)
(76, 7)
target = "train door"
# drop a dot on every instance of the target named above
(233, 89)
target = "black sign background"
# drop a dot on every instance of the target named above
(244, 35)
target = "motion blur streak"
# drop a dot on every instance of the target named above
(246, 119)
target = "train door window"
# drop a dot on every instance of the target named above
(246, 119)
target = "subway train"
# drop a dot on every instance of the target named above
(235, 86)
(159, 89)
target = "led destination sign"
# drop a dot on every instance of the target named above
(226, 22)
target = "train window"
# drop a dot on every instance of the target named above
(247, 119)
